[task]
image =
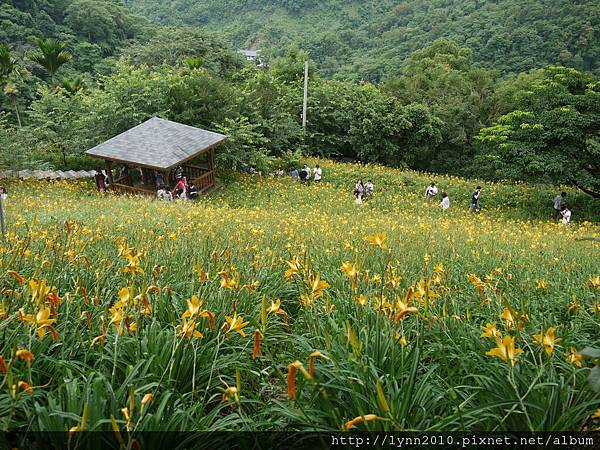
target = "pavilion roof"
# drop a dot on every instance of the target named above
(157, 144)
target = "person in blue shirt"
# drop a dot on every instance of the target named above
(475, 206)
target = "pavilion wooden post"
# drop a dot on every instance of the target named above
(211, 165)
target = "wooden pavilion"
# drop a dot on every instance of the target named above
(157, 147)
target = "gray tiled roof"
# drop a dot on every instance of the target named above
(157, 143)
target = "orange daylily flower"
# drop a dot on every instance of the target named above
(25, 387)
(257, 340)
(25, 355)
(15, 274)
(3, 367)
(360, 419)
(311, 361)
(291, 378)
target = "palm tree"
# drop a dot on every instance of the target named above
(51, 56)
(9, 67)
(72, 87)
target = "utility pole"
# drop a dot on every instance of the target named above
(2, 220)
(305, 104)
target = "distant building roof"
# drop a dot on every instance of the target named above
(250, 53)
(157, 144)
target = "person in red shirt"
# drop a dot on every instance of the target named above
(180, 188)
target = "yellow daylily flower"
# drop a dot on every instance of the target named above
(349, 269)
(235, 323)
(188, 329)
(547, 339)
(507, 315)
(41, 320)
(294, 268)
(275, 308)
(403, 309)
(573, 357)
(506, 350)
(378, 240)
(490, 331)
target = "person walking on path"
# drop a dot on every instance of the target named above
(475, 206)
(431, 191)
(318, 173)
(560, 202)
(445, 203)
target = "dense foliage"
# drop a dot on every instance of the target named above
(553, 135)
(371, 40)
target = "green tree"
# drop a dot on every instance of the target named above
(553, 135)
(9, 67)
(51, 55)
(442, 76)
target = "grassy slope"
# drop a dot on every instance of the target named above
(248, 230)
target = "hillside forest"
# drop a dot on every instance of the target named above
(495, 90)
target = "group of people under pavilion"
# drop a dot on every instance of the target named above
(159, 156)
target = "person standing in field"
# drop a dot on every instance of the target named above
(308, 172)
(559, 203)
(566, 215)
(303, 174)
(359, 189)
(369, 188)
(475, 206)
(445, 203)
(431, 191)
(100, 181)
(318, 173)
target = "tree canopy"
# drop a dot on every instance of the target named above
(553, 135)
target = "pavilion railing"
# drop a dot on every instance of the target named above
(204, 182)
(131, 189)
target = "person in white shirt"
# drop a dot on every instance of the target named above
(445, 203)
(431, 191)
(164, 194)
(308, 172)
(566, 214)
(318, 173)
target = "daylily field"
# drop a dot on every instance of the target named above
(269, 305)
